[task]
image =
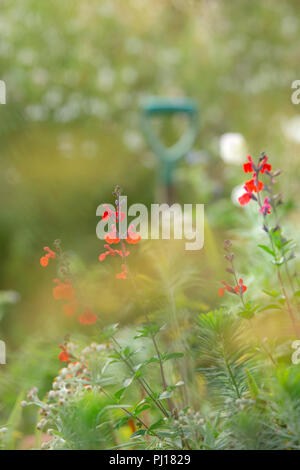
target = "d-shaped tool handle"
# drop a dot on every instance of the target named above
(166, 106)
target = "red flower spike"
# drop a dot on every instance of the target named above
(112, 252)
(223, 289)
(44, 261)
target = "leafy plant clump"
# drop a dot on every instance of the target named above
(198, 381)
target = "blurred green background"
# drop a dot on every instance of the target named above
(76, 72)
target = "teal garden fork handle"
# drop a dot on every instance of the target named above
(169, 156)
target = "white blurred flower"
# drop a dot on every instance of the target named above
(291, 128)
(40, 76)
(65, 145)
(26, 56)
(9, 296)
(233, 148)
(97, 107)
(106, 78)
(106, 10)
(53, 97)
(133, 45)
(122, 100)
(89, 149)
(133, 140)
(36, 112)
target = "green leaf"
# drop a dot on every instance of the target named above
(271, 293)
(252, 385)
(119, 393)
(174, 355)
(156, 425)
(269, 307)
(247, 314)
(267, 249)
(140, 432)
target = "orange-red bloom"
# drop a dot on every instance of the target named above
(254, 185)
(110, 251)
(240, 289)
(70, 308)
(87, 317)
(49, 254)
(64, 355)
(226, 287)
(63, 290)
(245, 198)
(264, 166)
(132, 237)
(122, 274)
(248, 167)
(112, 236)
(44, 261)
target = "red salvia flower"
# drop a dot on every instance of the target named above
(112, 236)
(266, 208)
(49, 254)
(112, 252)
(240, 288)
(87, 317)
(254, 185)
(245, 198)
(64, 355)
(227, 288)
(70, 308)
(122, 274)
(132, 237)
(63, 290)
(248, 167)
(264, 166)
